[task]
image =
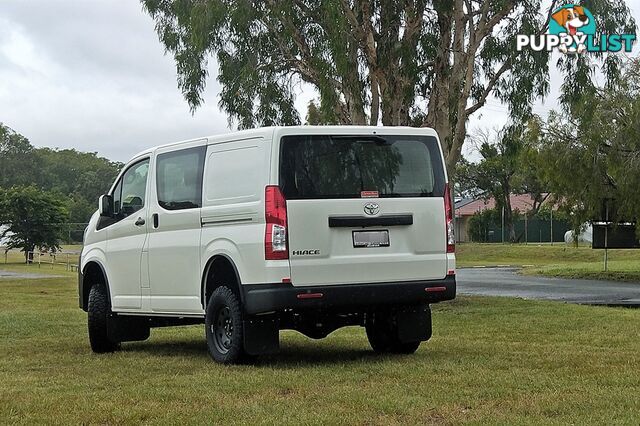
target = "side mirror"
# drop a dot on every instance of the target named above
(105, 206)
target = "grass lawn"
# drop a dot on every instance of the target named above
(16, 263)
(557, 260)
(497, 360)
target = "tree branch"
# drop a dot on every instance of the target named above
(375, 100)
(362, 33)
(487, 90)
(505, 66)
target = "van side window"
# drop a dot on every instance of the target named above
(179, 178)
(128, 194)
(132, 188)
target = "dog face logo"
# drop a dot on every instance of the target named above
(572, 30)
(574, 24)
(571, 18)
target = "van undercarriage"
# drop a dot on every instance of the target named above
(402, 309)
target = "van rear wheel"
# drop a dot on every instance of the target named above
(223, 327)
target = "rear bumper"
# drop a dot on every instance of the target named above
(261, 298)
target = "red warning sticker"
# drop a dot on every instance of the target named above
(369, 194)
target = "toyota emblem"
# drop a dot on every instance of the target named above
(371, 208)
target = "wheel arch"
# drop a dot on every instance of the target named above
(93, 272)
(226, 268)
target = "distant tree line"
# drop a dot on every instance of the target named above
(42, 190)
(76, 178)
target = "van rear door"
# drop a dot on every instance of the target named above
(364, 209)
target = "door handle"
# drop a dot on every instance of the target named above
(155, 221)
(139, 222)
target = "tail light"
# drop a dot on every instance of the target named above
(448, 216)
(275, 234)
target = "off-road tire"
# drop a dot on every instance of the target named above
(223, 327)
(98, 313)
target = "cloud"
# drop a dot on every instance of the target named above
(93, 76)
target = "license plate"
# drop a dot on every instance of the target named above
(371, 238)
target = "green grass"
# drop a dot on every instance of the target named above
(15, 262)
(617, 270)
(491, 360)
(557, 260)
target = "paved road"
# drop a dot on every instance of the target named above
(24, 275)
(506, 282)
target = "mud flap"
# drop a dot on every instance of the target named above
(128, 329)
(414, 324)
(261, 336)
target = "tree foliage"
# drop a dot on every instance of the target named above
(79, 176)
(397, 62)
(480, 223)
(31, 218)
(592, 152)
(18, 162)
(493, 174)
(315, 116)
(510, 164)
(529, 178)
(465, 184)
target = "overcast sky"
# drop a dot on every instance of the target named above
(92, 75)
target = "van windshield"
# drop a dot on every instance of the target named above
(318, 166)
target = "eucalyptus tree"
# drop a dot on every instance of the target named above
(593, 154)
(395, 62)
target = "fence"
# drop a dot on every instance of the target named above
(531, 230)
(71, 233)
(74, 232)
(67, 259)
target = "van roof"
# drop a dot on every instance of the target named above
(278, 131)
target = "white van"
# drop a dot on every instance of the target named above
(305, 228)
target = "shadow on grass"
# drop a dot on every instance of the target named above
(176, 348)
(296, 355)
(291, 354)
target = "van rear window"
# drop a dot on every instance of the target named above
(318, 166)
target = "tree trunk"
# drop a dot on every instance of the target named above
(508, 220)
(508, 213)
(438, 107)
(375, 100)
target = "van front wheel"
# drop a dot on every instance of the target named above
(223, 324)
(98, 318)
